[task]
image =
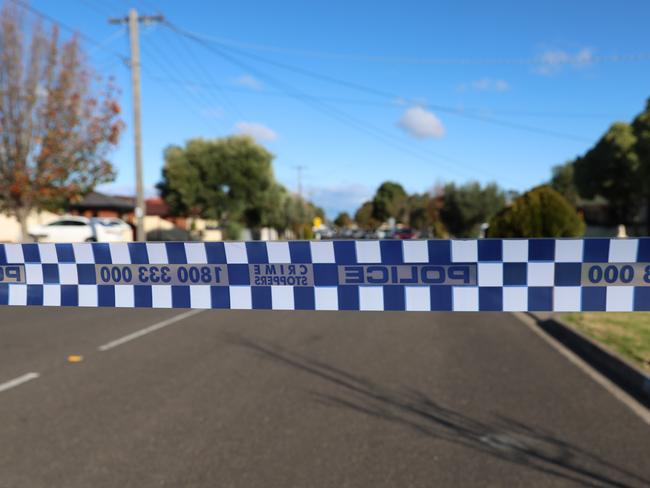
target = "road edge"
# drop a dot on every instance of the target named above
(601, 365)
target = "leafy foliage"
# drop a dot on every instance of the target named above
(419, 211)
(562, 181)
(364, 217)
(466, 207)
(297, 216)
(229, 178)
(56, 128)
(389, 201)
(424, 215)
(233, 231)
(540, 212)
(343, 220)
(612, 169)
(641, 127)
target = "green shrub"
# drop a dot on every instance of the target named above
(540, 212)
(174, 234)
(307, 232)
(233, 231)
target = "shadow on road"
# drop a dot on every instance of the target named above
(502, 437)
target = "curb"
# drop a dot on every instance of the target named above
(618, 370)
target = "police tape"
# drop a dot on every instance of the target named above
(416, 275)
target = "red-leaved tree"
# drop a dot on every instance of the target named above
(56, 126)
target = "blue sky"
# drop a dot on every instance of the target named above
(444, 85)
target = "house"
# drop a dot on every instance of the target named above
(96, 204)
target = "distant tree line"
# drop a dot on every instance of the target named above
(453, 209)
(615, 171)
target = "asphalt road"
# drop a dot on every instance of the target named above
(260, 399)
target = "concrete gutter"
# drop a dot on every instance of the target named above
(625, 375)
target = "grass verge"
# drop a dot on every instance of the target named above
(626, 333)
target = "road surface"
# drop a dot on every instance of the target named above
(302, 399)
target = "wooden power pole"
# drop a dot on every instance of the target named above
(299, 169)
(132, 21)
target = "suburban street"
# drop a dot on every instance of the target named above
(259, 399)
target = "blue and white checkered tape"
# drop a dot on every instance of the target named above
(413, 275)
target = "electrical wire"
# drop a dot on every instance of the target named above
(66, 27)
(173, 58)
(386, 137)
(314, 54)
(191, 60)
(154, 55)
(381, 93)
(381, 103)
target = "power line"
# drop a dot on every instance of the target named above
(191, 98)
(342, 117)
(223, 97)
(382, 93)
(539, 60)
(114, 36)
(66, 27)
(98, 44)
(380, 103)
(98, 7)
(155, 54)
(170, 59)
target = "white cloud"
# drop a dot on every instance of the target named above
(584, 57)
(258, 131)
(421, 124)
(249, 81)
(552, 61)
(501, 85)
(485, 85)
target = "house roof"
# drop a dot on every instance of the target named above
(96, 200)
(157, 206)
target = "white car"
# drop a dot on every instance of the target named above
(82, 229)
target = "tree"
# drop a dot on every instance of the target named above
(466, 207)
(562, 182)
(343, 220)
(229, 178)
(641, 128)
(424, 215)
(540, 212)
(364, 217)
(297, 214)
(612, 169)
(56, 126)
(389, 201)
(267, 210)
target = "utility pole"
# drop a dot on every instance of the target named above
(299, 169)
(132, 21)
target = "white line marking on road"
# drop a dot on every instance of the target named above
(18, 381)
(622, 396)
(147, 330)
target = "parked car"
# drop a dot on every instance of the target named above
(405, 234)
(82, 229)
